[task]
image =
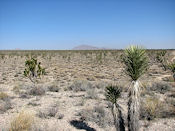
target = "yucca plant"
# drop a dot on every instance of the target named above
(112, 94)
(33, 69)
(136, 64)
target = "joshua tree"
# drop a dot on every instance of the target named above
(160, 57)
(112, 94)
(33, 69)
(136, 63)
(172, 68)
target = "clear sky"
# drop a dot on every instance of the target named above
(64, 24)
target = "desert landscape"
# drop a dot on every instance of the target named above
(71, 94)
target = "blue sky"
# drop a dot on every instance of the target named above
(64, 24)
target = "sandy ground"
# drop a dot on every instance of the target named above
(64, 70)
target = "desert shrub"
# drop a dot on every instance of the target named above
(53, 88)
(172, 94)
(42, 114)
(161, 87)
(24, 94)
(51, 111)
(81, 102)
(167, 112)
(91, 94)
(22, 122)
(5, 103)
(101, 85)
(80, 85)
(60, 116)
(150, 108)
(169, 108)
(16, 89)
(168, 79)
(98, 115)
(37, 91)
(33, 103)
(3, 96)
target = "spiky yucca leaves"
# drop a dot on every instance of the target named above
(136, 63)
(33, 69)
(112, 94)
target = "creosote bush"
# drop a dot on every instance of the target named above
(37, 90)
(5, 103)
(80, 85)
(160, 87)
(54, 87)
(98, 115)
(51, 111)
(91, 94)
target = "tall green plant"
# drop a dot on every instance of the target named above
(33, 69)
(112, 94)
(160, 57)
(171, 66)
(136, 64)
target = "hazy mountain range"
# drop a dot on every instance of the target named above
(88, 47)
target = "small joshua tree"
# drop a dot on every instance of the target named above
(172, 68)
(136, 64)
(160, 57)
(33, 69)
(112, 94)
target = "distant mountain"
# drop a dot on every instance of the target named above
(85, 47)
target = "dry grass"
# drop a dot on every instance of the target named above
(5, 103)
(91, 94)
(17, 89)
(3, 96)
(22, 122)
(150, 108)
